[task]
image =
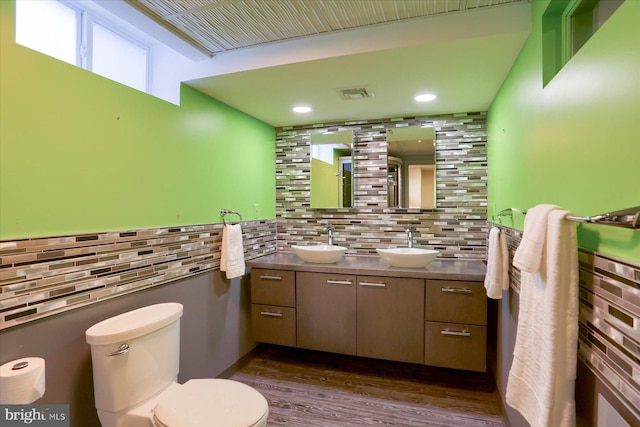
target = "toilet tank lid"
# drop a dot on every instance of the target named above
(133, 324)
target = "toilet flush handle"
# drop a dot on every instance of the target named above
(124, 348)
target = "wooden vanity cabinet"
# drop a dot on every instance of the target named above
(455, 325)
(425, 321)
(273, 313)
(390, 313)
(326, 312)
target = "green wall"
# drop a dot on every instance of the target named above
(576, 142)
(81, 153)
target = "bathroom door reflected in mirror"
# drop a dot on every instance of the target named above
(411, 180)
(331, 170)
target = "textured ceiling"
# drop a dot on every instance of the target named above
(216, 26)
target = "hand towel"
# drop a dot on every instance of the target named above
(541, 381)
(529, 253)
(497, 277)
(232, 256)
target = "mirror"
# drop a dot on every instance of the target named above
(331, 170)
(411, 179)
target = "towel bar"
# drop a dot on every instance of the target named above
(627, 218)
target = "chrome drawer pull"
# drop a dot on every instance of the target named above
(271, 277)
(339, 282)
(123, 349)
(462, 333)
(457, 290)
(376, 285)
(268, 313)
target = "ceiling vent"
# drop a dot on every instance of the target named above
(358, 92)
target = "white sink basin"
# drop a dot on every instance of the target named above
(321, 254)
(408, 257)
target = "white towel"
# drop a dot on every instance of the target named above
(232, 256)
(529, 254)
(542, 378)
(497, 277)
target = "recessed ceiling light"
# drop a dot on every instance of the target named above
(425, 97)
(302, 109)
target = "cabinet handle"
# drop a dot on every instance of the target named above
(375, 285)
(457, 290)
(268, 313)
(339, 282)
(462, 333)
(271, 277)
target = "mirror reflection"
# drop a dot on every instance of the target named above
(331, 170)
(411, 176)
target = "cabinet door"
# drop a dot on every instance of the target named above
(390, 318)
(326, 312)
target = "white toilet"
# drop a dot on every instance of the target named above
(135, 359)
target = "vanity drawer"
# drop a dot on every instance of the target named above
(457, 302)
(273, 287)
(274, 325)
(451, 345)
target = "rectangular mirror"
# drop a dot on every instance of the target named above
(411, 180)
(331, 170)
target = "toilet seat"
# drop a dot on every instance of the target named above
(211, 403)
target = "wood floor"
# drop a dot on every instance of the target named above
(313, 389)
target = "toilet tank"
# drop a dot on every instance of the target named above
(148, 366)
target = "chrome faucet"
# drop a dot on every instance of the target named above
(409, 231)
(329, 229)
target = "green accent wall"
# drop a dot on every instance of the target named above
(576, 142)
(81, 153)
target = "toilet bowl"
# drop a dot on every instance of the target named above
(200, 403)
(211, 403)
(135, 358)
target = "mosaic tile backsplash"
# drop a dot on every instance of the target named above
(457, 228)
(44, 276)
(609, 323)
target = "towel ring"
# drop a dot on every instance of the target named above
(224, 212)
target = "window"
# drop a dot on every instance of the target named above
(49, 27)
(60, 30)
(587, 18)
(118, 58)
(566, 27)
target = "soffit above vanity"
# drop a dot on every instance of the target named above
(263, 56)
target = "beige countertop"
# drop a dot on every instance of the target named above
(373, 265)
